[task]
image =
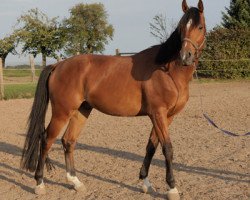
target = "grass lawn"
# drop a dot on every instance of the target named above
(19, 91)
(19, 72)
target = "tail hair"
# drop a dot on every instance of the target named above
(36, 123)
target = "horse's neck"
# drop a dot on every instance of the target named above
(167, 56)
(181, 75)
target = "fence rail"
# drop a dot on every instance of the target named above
(20, 69)
(118, 53)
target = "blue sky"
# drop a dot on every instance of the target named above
(130, 19)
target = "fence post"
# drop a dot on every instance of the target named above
(32, 66)
(117, 52)
(1, 80)
(59, 59)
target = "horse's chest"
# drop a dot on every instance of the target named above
(181, 100)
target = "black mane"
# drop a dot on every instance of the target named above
(170, 49)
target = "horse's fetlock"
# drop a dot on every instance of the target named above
(143, 173)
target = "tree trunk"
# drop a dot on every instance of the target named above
(58, 58)
(32, 66)
(3, 61)
(44, 60)
(1, 80)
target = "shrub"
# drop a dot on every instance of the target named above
(227, 54)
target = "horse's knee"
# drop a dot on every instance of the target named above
(171, 181)
(143, 173)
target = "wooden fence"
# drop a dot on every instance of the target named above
(1, 80)
(32, 73)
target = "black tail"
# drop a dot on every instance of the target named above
(36, 123)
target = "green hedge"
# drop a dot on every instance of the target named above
(227, 54)
(231, 69)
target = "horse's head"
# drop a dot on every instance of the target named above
(192, 29)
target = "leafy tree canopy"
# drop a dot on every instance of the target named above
(87, 29)
(40, 34)
(8, 45)
(238, 14)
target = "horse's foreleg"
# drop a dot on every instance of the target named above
(161, 124)
(69, 141)
(150, 151)
(56, 124)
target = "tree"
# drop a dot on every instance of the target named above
(159, 27)
(238, 14)
(87, 29)
(39, 34)
(7, 45)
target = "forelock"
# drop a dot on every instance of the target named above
(192, 14)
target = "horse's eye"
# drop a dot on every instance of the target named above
(200, 27)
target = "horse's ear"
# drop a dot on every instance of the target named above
(200, 6)
(184, 6)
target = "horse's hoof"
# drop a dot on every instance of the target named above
(147, 187)
(40, 189)
(173, 194)
(80, 187)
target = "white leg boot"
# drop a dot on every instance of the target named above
(78, 185)
(40, 189)
(147, 187)
(173, 194)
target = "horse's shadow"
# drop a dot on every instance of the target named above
(15, 150)
(7, 176)
(220, 174)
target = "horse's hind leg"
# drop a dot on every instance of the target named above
(72, 132)
(150, 151)
(58, 121)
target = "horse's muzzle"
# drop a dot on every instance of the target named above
(187, 57)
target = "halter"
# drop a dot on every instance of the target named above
(195, 45)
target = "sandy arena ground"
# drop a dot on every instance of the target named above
(208, 165)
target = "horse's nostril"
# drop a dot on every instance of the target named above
(189, 54)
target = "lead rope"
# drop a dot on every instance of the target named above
(210, 121)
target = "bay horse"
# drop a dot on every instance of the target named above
(153, 82)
